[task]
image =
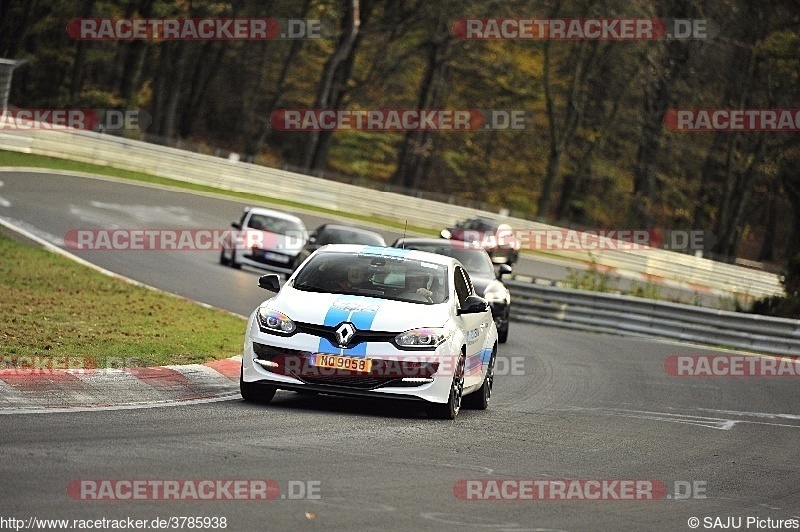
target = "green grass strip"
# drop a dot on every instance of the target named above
(57, 313)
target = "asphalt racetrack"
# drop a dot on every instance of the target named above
(575, 419)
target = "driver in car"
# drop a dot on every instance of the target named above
(356, 279)
(417, 285)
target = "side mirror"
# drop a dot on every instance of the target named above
(503, 269)
(270, 282)
(236, 225)
(445, 234)
(474, 305)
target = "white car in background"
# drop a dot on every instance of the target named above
(268, 239)
(374, 322)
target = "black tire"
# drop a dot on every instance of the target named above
(253, 392)
(233, 264)
(231, 261)
(502, 334)
(479, 399)
(452, 407)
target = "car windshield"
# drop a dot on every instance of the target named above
(479, 225)
(395, 278)
(279, 226)
(335, 235)
(475, 261)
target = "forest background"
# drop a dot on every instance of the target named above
(595, 153)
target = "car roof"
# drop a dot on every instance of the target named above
(276, 214)
(441, 242)
(486, 221)
(348, 228)
(412, 254)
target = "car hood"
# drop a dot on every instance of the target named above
(366, 313)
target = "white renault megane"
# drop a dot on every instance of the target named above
(375, 322)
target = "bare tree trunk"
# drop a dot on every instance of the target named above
(562, 134)
(254, 145)
(168, 88)
(328, 88)
(178, 72)
(206, 68)
(730, 227)
(79, 64)
(416, 147)
(12, 32)
(790, 181)
(132, 56)
(658, 88)
(767, 253)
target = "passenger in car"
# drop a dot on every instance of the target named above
(417, 287)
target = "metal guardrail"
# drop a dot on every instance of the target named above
(632, 316)
(107, 150)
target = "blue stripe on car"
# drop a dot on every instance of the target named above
(384, 252)
(361, 319)
(478, 360)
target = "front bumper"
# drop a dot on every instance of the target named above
(288, 363)
(268, 260)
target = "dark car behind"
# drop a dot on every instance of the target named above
(476, 261)
(336, 234)
(498, 239)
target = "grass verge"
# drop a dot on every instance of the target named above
(52, 309)
(11, 158)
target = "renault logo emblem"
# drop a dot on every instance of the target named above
(344, 333)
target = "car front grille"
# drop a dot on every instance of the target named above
(328, 332)
(349, 381)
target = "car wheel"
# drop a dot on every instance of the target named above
(255, 393)
(222, 259)
(233, 263)
(479, 400)
(451, 408)
(502, 334)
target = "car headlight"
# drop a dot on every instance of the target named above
(421, 338)
(274, 321)
(495, 295)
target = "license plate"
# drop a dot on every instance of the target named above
(276, 257)
(342, 362)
